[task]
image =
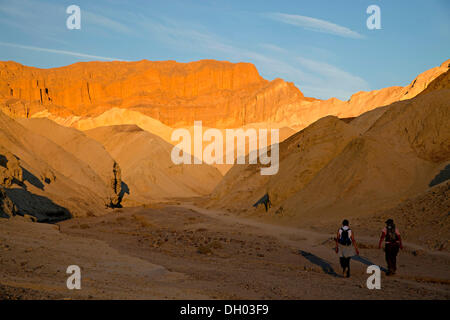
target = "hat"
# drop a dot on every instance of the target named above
(389, 221)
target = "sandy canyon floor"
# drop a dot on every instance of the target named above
(180, 251)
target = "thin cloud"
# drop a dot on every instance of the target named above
(314, 24)
(69, 53)
(47, 18)
(105, 22)
(272, 47)
(331, 79)
(319, 79)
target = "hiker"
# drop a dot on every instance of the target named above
(393, 242)
(344, 241)
(264, 200)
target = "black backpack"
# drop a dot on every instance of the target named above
(344, 239)
(391, 235)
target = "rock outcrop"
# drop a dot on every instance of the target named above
(174, 93)
(87, 150)
(116, 186)
(10, 169)
(7, 207)
(54, 184)
(13, 166)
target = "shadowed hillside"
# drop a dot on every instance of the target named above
(147, 167)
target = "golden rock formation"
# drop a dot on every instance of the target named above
(221, 94)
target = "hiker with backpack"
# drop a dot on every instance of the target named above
(393, 242)
(344, 241)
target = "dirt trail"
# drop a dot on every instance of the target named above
(309, 238)
(281, 232)
(310, 244)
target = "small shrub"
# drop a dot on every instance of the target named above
(204, 249)
(142, 221)
(121, 219)
(215, 245)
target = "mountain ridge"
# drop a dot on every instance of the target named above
(221, 94)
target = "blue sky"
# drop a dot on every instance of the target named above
(324, 47)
